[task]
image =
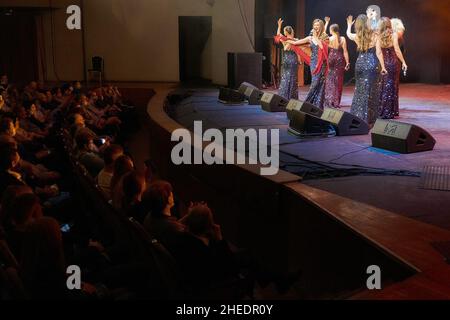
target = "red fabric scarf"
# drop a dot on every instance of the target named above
(303, 56)
(322, 58)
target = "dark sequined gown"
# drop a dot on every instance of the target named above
(366, 100)
(389, 85)
(289, 75)
(335, 78)
(316, 94)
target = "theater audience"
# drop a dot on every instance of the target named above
(110, 154)
(9, 159)
(27, 208)
(133, 185)
(204, 257)
(87, 153)
(92, 122)
(158, 201)
(122, 165)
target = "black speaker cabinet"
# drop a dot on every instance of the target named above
(306, 107)
(401, 137)
(346, 124)
(230, 96)
(253, 96)
(271, 102)
(302, 123)
(244, 67)
(244, 86)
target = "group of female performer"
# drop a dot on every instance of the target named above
(377, 69)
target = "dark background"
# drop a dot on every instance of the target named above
(427, 36)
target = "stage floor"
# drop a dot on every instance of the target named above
(349, 166)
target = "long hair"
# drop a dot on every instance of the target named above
(385, 30)
(363, 33)
(43, 264)
(335, 28)
(397, 25)
(321, 34)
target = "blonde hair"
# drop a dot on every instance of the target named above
(289, 30)
(397, 25)
(385, 30)
(335, 28)
(322, 35)
(363, 33)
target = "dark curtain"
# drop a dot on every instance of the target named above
(18, 53)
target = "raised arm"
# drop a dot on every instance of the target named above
(280, 23)
(398, 52)
(380, 56)
(300, 42)
(327, 22)
(350, 22)
(346, 57)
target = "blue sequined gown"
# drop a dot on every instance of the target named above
(289, 75)
(316, 94)
(389, 85)
(366, 100)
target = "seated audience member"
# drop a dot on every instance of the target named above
(77, 124)
(133, 186)
(13, 176)
(8, 201)
(27, 208)
(110, 154)
(4, 82)
(87, 154)
(9, 159)
(158, 200)
(42, 264)
(205, 258)
(122, 165)
(30, 91)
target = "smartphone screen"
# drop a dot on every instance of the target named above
(65, 228)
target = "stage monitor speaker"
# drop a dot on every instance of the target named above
(244, 86)
(305, 124)
(244, 67)
(346, 124)
(271, 102)
(401, 137)
(306, 107)
(253, 96)
(230, 96)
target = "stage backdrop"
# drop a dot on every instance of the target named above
(427, 24)
(139, 38)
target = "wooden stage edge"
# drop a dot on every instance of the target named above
(403, 239)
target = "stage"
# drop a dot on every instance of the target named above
(349, 166)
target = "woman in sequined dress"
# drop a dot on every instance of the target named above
(289, 67)
(392, 58)
(338, 63)
(369, 65)
(318, 63)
